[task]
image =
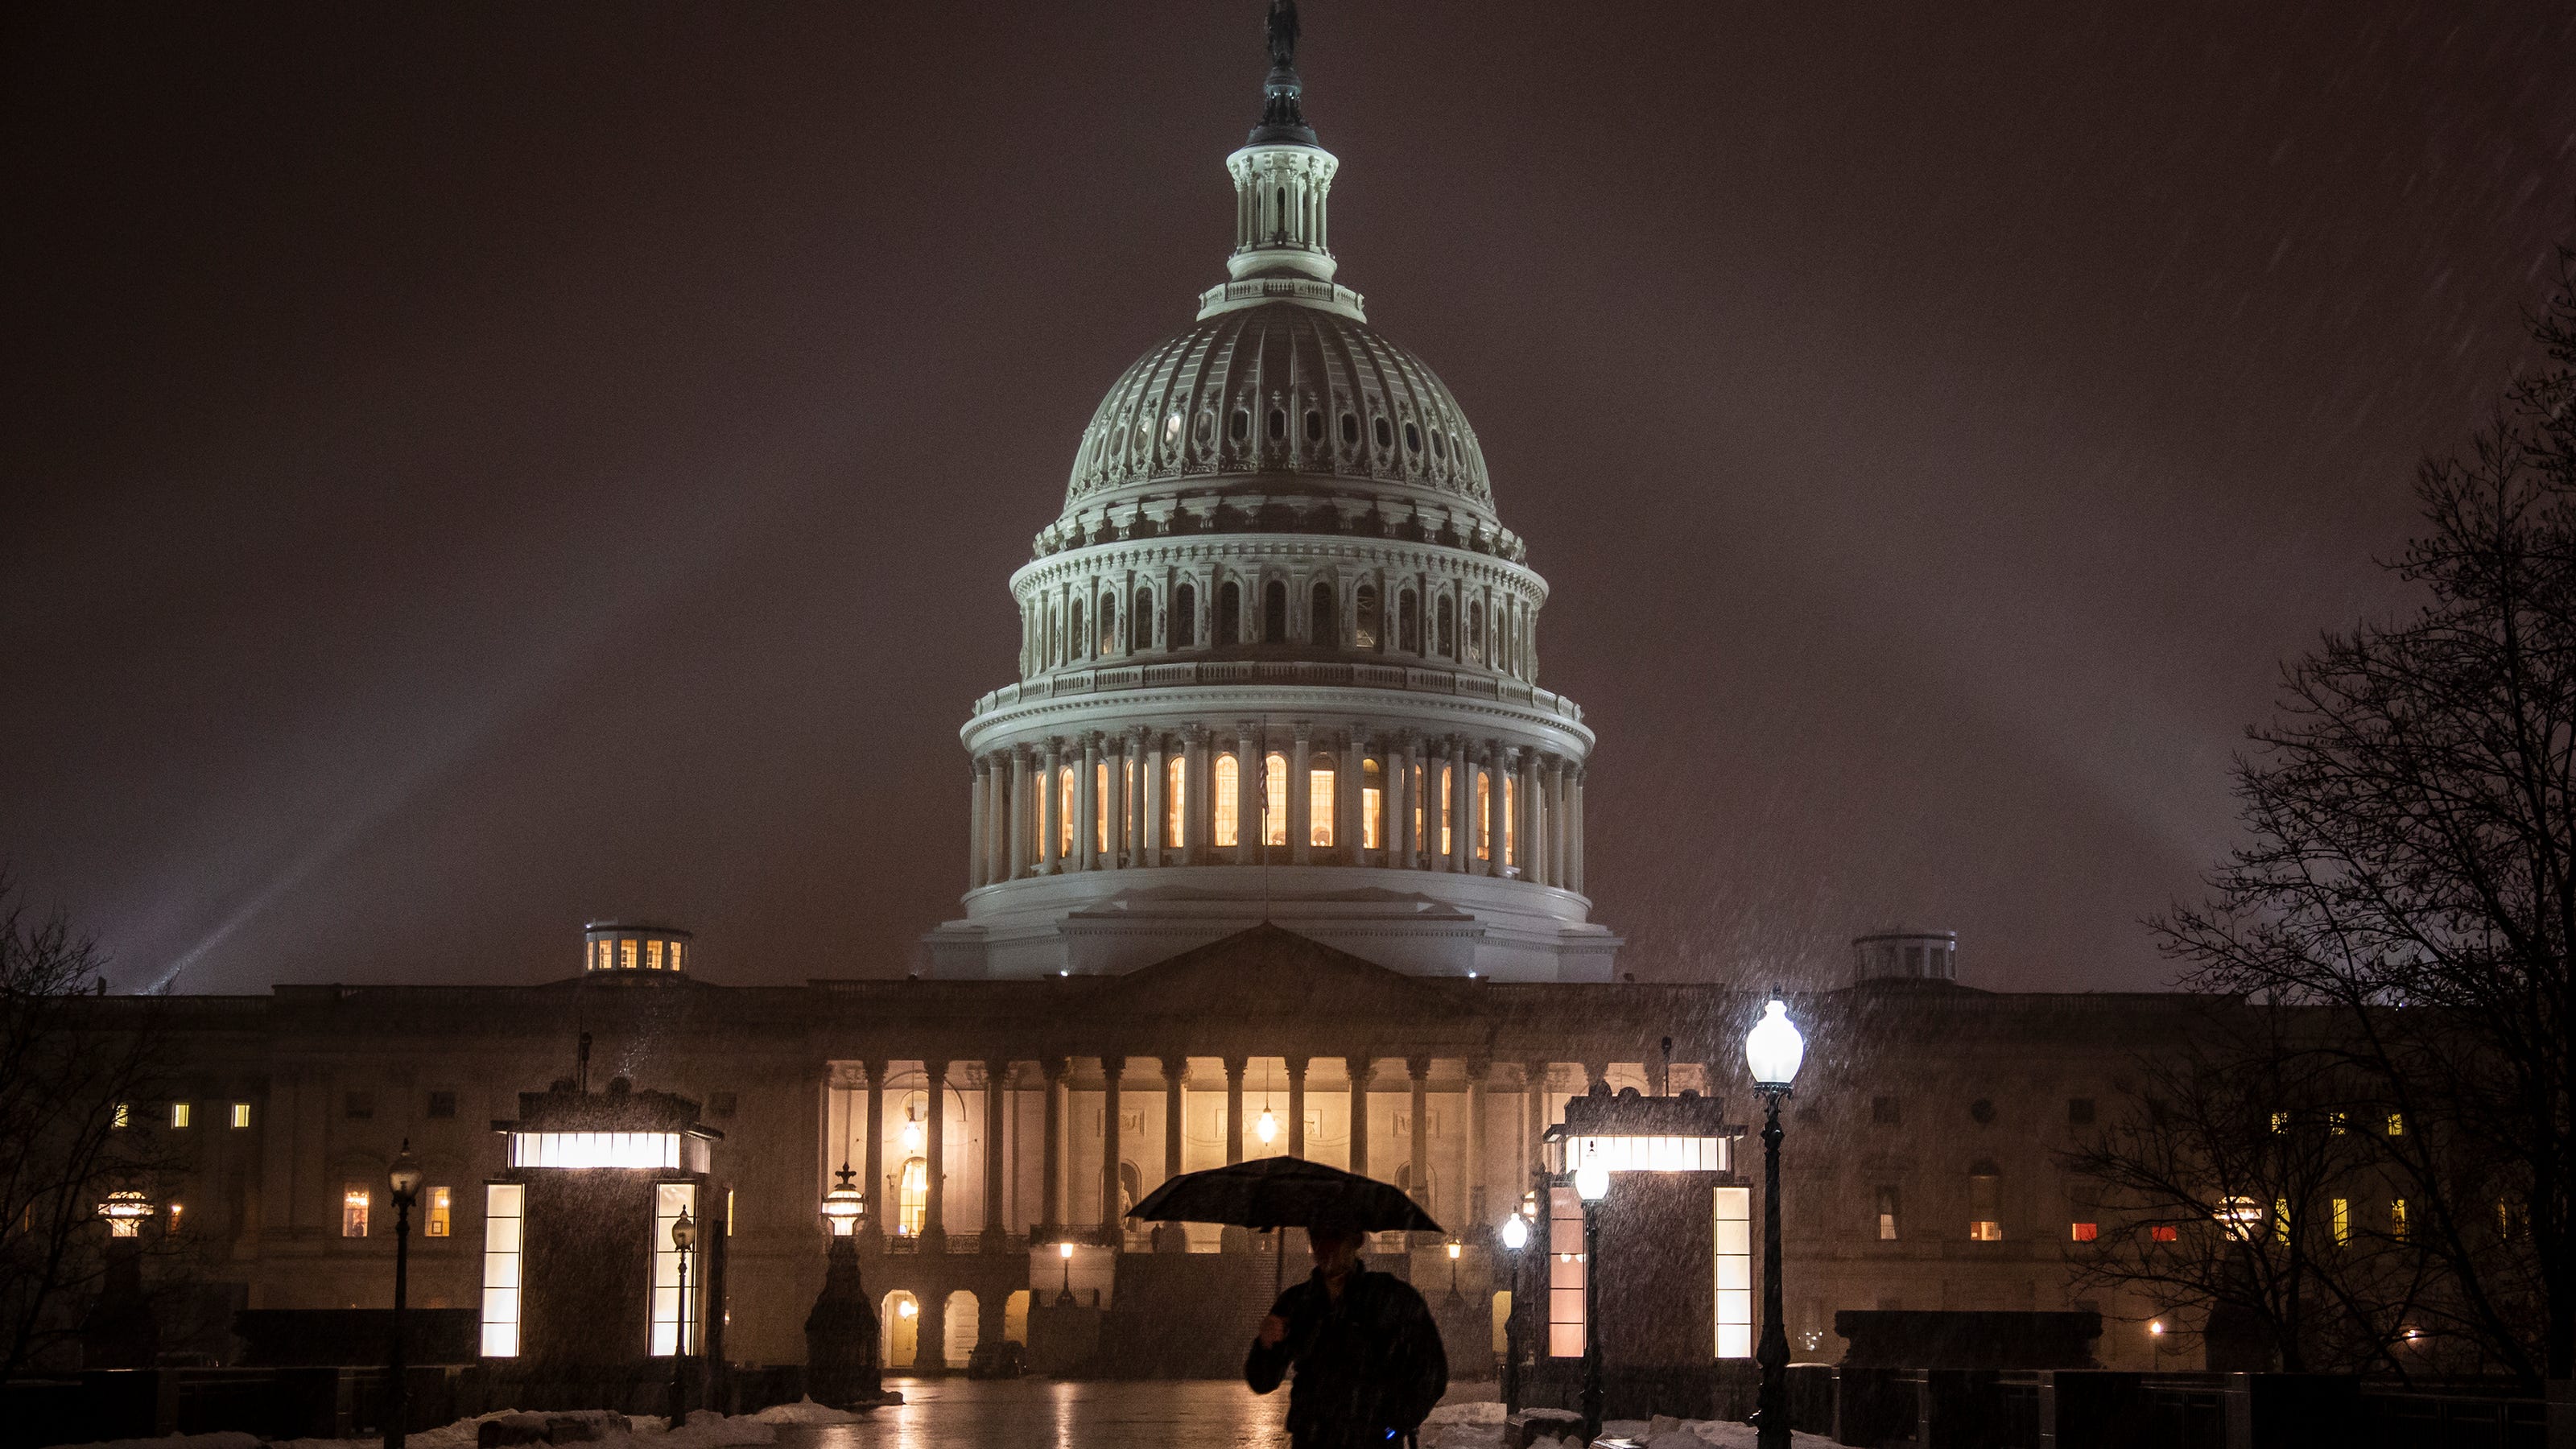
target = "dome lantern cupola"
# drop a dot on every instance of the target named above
(1282, 180)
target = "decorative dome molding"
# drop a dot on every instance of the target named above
(1281, 388)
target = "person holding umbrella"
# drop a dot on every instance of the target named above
(1367, 1355)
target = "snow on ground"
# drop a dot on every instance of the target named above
(1666, 1432)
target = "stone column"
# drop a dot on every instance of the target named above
(1233, 1110)
(1019, 808)
(1574, 823)
(1350, 800)
(1296, 1106)
(978, 790)
(997, 1221)
(1131, 819)
(1404, 799)
(1439, 781)
(1418, 1070)
(1301, 798)
(1150, 829)
(1051, 820)
(1552, 862)
(1113, 1228)
(1525, 847)
(1462, 818)
(1500, 763)
(1472, 1160)
(934, 1134)
(1359, 1067)
(1176, 1073)
(1087, 806)
(1251, 776)
(1194, 795)
(875, 1181)
(1051, 1182)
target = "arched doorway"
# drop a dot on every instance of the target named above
(901, 1315)
(1015, 1317)
(965, 1328)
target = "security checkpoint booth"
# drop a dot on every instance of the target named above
(604, 1238)
(1653, 1305)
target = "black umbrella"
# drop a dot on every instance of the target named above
(1284, 1192)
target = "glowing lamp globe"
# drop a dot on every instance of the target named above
(912, 1138)
(1773, 1048)
(684, 1232)
(1592, 1179)
(1064, 1250)
(844, 1205)
(1454, 1249)
(405, 1176)
(1267, 1129)
(1515, 1233)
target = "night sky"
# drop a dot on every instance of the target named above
(470, 469)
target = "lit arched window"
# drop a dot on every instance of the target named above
(1074, 633)
(1274, 799)
(912, 1197)
(1319, 805)
(1229, 614)
(1100, 806)
(1447, 846)
(1324, 626)
(1484, 815)
(1444, 643)
(1408, 623)
(1372, 806)
(1228, 802)
(1365, 636)
(1182, 629)
(1475, 633)
(1274, 613)
(1064, 807)
(1511, 791)
(1140, 622)
(1176, 800)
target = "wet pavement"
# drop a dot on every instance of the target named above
(1058, 1414)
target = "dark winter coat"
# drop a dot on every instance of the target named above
(1367, 1363)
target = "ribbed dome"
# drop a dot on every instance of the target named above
(1280, 388)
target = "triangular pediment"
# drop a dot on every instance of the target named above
(1267, 972)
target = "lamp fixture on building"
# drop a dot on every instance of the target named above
(912, 1136)
(842, 1361)
(1266, 1127)
(124, 1213)
(684, 1238)
(1064, 1296)
(404, 1177)
(1772, 1051)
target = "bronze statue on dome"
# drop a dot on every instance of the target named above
(1283, 34)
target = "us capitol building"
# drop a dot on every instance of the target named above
(1275, 844)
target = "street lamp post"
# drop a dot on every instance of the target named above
(1455, 1248)
(1591, 1183)
(405, 1181)
(684, 1237)
(1772, 1051)
(1064, 1296)
(1515, 1242)
(841, 1356)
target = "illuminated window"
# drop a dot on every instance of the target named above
(1414, 784)
(2338, 1123)
(1887, 1214)
(677, 948)
(179, 1115)
(2397, 1219)
(2083, 1232)
(1319, 806)
(652, 955)
(2343, 1220)
(2164, 1233)
(1176, 801)
(2281, 1218)
(1985, 1192)
(912, 1197)
(1064, 807)
(626, 955)
(1732, 1223)
(1274, 799)
(1100, 806)
(1565, 1267)
(675, 1324)
(1365, 636)
(600, 955)
(241, 1114)
(2280, 1123)
(1510, 855)
(1229, 788)
(1372, 806)
(353, 1211)
(1322, 624)
(1484, 815)
(122, 1116)
(177, 1211)
(1446, 845)
(503, 1202)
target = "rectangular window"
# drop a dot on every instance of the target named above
(179, 1115)
(2397, 1219)
(122, 1117)
(2339, 1122)
(353, 1211)
(1372, 809)
(2280, 1123)
(1446, 846)
(440, 1213)
(1887, 1214)
(1565, 1268)
(1511, 821)
(652, 955)
(1319, 807)
(503, 1202)
(2396, 1124)
(2281, 1218)
(1229, 793)
(626, 955)
(1274, 799)
(2083, 1232)
(1732, 1223)
(1884, 1112)
(1100, 806)
(2164, 1233)
(1484, 816)
(673, 1320)
(1985, 1219)
(1416, 772)
(442, 1104)
(241, 1114)
(2343, 1220)
(1176, 801)
(2079, 1111)
(1065, 803)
